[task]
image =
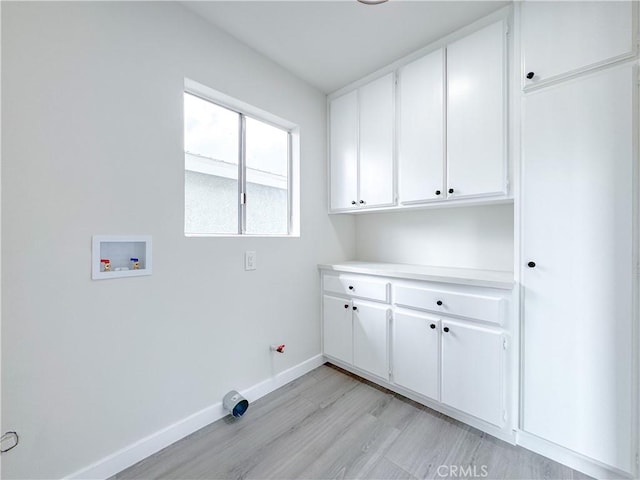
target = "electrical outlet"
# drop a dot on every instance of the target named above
(250, 260)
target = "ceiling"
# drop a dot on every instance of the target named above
(331, 43)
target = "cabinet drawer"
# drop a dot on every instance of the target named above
(479, 307)
(357, 287)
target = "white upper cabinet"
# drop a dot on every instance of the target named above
(362, 146)
(447, 125)
(344, 151)
(476, 112)
(376, 142)
(421, 129)
(560, 38)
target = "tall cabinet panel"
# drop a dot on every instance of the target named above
(343, 114)
(476, 103)
(376, 142)
(565, 37)
(421, 129)
(578, 273)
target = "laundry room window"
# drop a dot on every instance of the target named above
(240, 168)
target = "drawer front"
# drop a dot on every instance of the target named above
(359, 287)
(480, 307)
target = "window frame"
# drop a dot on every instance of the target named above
(244, 111)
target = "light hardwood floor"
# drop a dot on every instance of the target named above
(330, 424)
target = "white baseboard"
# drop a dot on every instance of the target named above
(124, 458)
(569, 458)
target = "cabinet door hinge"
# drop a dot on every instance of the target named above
(504, 415)
(637, 458)
(243, 198)
(505, 343)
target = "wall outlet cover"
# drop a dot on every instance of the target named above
(250, 260)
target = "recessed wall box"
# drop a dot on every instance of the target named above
(119, 250)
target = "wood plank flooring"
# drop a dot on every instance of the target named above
(330, 424)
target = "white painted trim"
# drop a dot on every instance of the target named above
(636, 260)
(208, 93)
(450, 203)
(577, 73)
(568, 457)
(514, 189)
(3, 424)
(131, 454)
(636, 248)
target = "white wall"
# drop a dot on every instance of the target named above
(92, 144)
(472, 237)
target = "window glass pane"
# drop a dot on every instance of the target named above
(211, 167)
(210, 130)
(267, 168)
(211, 204)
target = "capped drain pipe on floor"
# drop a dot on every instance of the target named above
(235, 403)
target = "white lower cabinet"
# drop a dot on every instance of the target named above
(338, 328)
(473, 360)
(461, 365)
(370, 338)
(415, 348)
(356, 333)
(457, 362)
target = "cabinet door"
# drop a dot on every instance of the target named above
(578, 230)
(476, 104)
(344, 151)
(565, 37)
(473, 370)
(376, 142)
(338, 328)
(370, 338)
(421, 129)
(415, 353)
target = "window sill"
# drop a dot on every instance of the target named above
(244, 235)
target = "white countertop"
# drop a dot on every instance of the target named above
(459, 276)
